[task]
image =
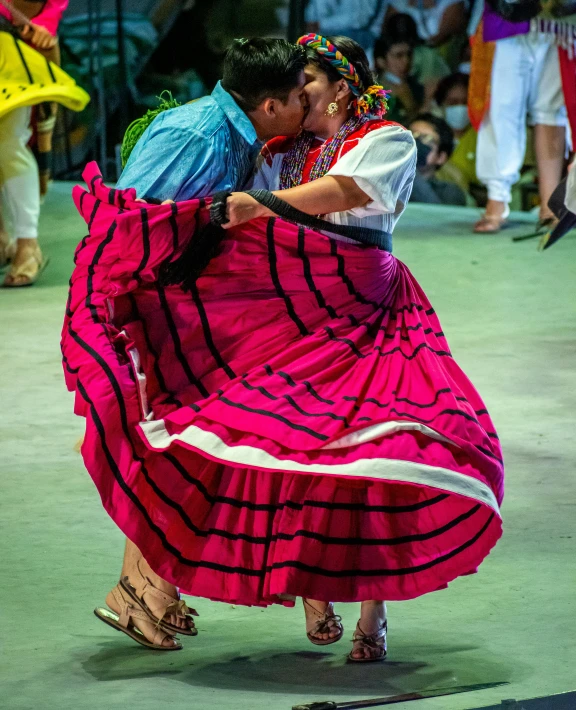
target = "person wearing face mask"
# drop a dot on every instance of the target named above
(393, 57)
(434, 145)
(451, 97)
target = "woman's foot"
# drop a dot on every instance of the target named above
(369, 641)
(323, 627)
(160, 599)
(494, 218)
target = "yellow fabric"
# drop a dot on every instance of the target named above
(16, 88)
(461, 168)
(464, 155)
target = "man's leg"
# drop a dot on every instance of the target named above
(502, 136)
(21, 189)
(548, 113)
(138, 571)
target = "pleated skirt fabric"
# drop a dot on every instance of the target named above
(294, 426)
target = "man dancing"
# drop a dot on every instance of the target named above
(189, 152)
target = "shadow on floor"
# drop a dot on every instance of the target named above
(296, 672)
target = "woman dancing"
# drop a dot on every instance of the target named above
(291, 422)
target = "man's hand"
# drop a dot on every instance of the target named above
(38, 36)
(241, 208)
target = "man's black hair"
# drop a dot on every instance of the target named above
(443, 130)
(261, 68)
(448, 83)
(353, 53)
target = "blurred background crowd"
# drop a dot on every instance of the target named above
(126, 52)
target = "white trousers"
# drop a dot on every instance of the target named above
(526, 88)
(19, 180)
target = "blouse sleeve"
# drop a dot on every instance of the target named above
(383, 165)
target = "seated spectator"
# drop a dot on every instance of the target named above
(435, 143)
(437, 20)
(393, 64)
(451, 98)
(361, 20)
(428, 65)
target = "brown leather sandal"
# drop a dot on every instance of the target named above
(28, 271)
(124, 622)
(7, 251)
(174, 606)
(492, 224)
(324, 624)
(375, 643)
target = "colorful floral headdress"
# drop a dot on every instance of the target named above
(370, 101)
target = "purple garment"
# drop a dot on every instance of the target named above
(496, 27)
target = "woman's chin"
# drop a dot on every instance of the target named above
(309, 124)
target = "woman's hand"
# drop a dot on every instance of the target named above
(38, 36)
(241, 208)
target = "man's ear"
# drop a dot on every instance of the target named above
(268, 107)
(442, 158)
(380, 63)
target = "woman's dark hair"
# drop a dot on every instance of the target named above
(385, 43)
(261, 68)
(448, 83)
(445, 134)
(402, 28)
(353, 53)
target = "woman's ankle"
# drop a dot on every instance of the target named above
(372, 613)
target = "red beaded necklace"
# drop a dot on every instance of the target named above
(292, 168)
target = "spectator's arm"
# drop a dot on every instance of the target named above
(453, 22)
(50, 16)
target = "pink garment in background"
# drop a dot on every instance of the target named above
(49, 17)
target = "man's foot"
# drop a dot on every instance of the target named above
(133, 621)
(369, 641)
(494, 218)
(160, 599)
(323, 627)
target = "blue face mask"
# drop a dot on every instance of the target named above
(422, 153)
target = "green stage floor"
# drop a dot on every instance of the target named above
(510, 316)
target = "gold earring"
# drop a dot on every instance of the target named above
(332, 109)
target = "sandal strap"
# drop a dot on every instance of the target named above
(323, 626)
(375, 640)
(130, 613)
(127, 609)
(324, 618)
(176, 606)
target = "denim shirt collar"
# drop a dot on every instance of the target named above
(238, 119)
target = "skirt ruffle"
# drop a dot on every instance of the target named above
(296, 426)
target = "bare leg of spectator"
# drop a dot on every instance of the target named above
(550, 145)
(20, 196)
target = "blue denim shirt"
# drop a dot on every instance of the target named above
(193, 150)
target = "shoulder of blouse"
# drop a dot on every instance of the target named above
(276, 146)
